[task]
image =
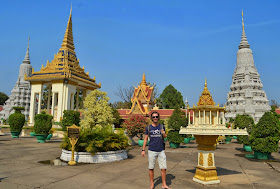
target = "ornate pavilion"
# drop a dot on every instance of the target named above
(64, 77)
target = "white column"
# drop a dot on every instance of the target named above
(210, 118)
(193, 119)
(189, 117)
(72, 102)
(77, 99)
(199, 116)
(32, 107)
(223, 118)
(217, 117)
(53, 102)
(49, 99)
(204, 117)
(39, 103)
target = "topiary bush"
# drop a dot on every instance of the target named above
(17, 119)
(265, 135)
(43, 123)
(176, 120)
(242, 122)
(70, 117)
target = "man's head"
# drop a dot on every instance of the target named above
(155, 117)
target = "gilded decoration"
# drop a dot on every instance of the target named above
(65, 64)
(206, 97)
(210, 160)
(142, 100)
(206, 174)
(201, 162)
(206, 142)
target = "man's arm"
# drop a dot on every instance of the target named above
(163, 132)
(144, 145)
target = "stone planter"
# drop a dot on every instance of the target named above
(32, 133)
(41, 138)
(174, 145)
(192, 138)
(187, 140)
(141, 142)
(15, 134)
(99, 157)
(234, 137)
(247, 148)
(49, 137)
(228, 140)
(260, 155)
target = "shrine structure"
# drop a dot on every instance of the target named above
(208, 123)
(64, 78)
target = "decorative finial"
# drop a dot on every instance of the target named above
(143, 82)
(242, 21)
(205, 85)
(71, 9)
(26, 59)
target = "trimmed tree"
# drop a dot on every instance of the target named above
(242, 122)
(70, 117)
(3, 98)
(265, 135)
(176, 120)
(170, 98)
(17, 119)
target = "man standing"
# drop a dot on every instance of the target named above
(156, 132)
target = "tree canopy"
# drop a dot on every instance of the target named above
(242, 122)
(3, 98)
(170, 98)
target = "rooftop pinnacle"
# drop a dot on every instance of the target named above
(143, 82)
(243, 43)
(68, 43)
(26, 59)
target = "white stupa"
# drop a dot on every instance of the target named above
(246, 95)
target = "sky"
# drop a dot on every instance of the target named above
(176, 42)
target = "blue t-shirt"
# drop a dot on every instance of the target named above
(156, 139)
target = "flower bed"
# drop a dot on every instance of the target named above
(98, 157)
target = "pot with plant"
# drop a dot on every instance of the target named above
(264, 138)
(187, 138)
(16, 122)
(52, 130)
(42, 126)
(242, 122)
(177, 119)
(32, 133)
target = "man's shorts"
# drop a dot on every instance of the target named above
(152, 155)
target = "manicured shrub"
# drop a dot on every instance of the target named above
(175, 137)
(43, 123)
(242, 122)
(70, 117)
(136, 125)
(265, 135)
(176, 120)
(17, 119)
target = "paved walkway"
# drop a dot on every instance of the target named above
(20, 168)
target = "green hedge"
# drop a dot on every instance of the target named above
(175, 137)
(43, 123)
(242, 122)
(70, 117)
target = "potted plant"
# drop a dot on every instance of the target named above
(52, 130)
(136, 125)
(42, 126)
(32, 133)
(265, 136)
(187, 138)
(242, 122)
(228, 139)
(16, 122)
(177, 119)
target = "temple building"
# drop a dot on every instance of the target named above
(20, 95)
(143, 98)
(144, 103)
(246, 95)
(64, 78)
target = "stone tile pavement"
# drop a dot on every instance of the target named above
(20, 168)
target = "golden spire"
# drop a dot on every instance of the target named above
(68, 44)
(143, 82)
(205, 98)
(242, 21)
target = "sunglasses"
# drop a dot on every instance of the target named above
(155, 117)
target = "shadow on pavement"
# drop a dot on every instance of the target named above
(169, 178)
(220, 171)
